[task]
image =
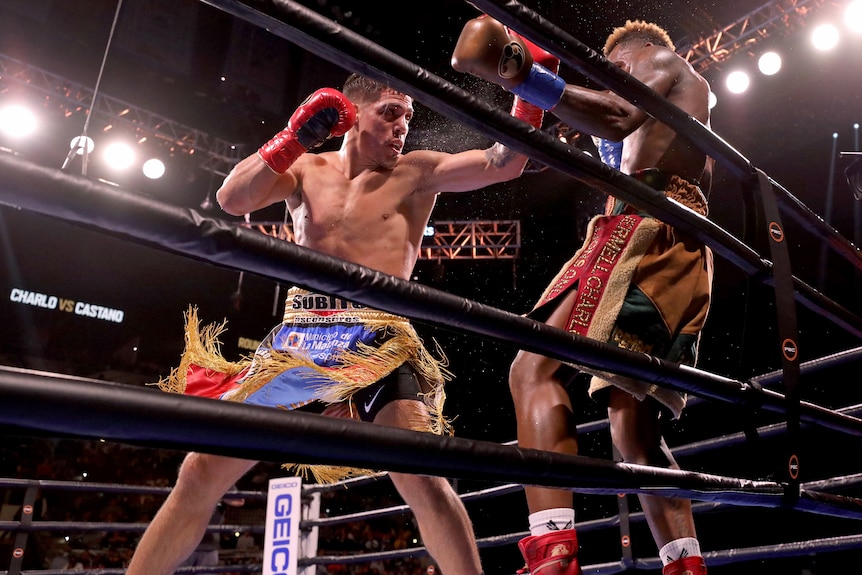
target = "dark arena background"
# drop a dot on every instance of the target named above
(198, 87)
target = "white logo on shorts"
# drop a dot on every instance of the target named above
(367, 405)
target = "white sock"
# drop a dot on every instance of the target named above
(678, 548)
(549, 520)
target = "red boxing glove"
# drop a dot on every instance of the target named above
(324, 114)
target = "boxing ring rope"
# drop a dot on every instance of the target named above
(716, 557)
(814, 365)
(183, 231)
(713, 558)
(81, 486)
(77, 407)
(806, 368)
(26, 527)
(95, 409)
(678, 451)
(791, 549)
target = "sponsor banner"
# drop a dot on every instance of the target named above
(283, 514)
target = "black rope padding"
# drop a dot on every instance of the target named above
(788, 334)
(149, 417)
(624, 518)
(137, 218)
(22, 535)
(345, 48)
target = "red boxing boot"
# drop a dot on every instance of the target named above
(554, 553)
(685, 566)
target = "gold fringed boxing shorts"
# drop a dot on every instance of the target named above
(326, 350)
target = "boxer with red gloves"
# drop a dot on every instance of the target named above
(367, 202)
(493, 52)
(325, 114)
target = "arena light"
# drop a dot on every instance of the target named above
(78, 144)
(17, 121)
(119, 156)
(853, 16)
(769, 63)
(154, 168)
(737, 82)
(825, 37)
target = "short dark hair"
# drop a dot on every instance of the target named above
(360, 89)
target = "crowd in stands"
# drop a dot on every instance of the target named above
(99, 546)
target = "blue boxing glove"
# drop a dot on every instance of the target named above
(542, 86)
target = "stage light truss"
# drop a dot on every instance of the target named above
(473, 240)
(452, 240)
(214, 155)
(757, 25)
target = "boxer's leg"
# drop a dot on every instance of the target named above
(636, 434)
(544, 417)
(446, 529)
(182, 520)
